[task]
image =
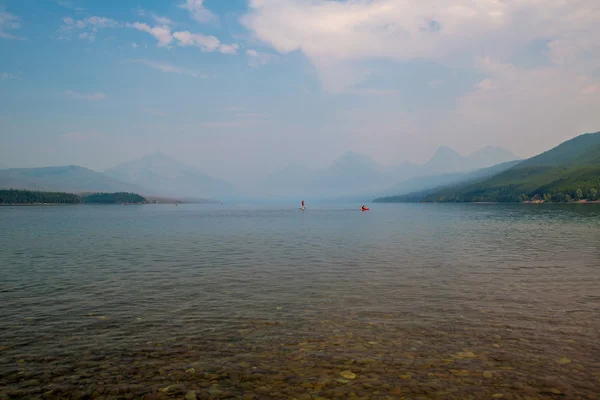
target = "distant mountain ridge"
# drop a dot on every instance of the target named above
(70, 178)
(416, 189)
(354, 174)
(446, 160)
(167, 176)
(569, 171)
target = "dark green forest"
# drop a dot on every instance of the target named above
(14, 196)
(113, 198)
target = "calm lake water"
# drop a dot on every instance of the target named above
(211, 302)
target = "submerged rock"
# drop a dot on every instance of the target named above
(348, 375)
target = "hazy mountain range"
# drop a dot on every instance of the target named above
(164, 175)
(358, 175)
(569, 171)
(352, 175)
(70, 178)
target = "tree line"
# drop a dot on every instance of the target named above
(513, 195)
(16, 196)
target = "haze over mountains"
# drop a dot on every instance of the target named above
(358, 175)
(165, 175)
(72, 178)
(351, 175)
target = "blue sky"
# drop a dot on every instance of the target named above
(241, 88)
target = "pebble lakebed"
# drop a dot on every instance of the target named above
(494, 308)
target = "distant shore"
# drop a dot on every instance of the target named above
(66, 204)
(566, 202)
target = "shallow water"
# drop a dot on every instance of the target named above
(403, 301)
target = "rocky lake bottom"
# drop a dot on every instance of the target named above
(426, 302)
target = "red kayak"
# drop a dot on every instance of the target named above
(364, 209)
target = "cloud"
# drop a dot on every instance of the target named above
(70, 5)
(162, 20)
(256, 59)
(158, 18)
(170, 68)
(8, 22)
(337, 35)
(197, 10)
(6, 76)
(486, 84)
(526, 106)
(229, 48)
(85, 96)
(205, 43)
(90, 26)
(160, 33)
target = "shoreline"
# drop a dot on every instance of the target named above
(490, 202)
(69, 204)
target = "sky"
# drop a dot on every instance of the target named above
(241, 88)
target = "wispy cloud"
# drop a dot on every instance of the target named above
(158, 18)
(486, 84)
(90, 26)
(9, 22)
(197, 10)
(70, 5)
(206, 43)
(256, 59)
(162, 20)
(160, 33)
(170, 68)
(229, 48)
(6, 76)
(85, 96)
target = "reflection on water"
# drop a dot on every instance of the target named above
(205, 302)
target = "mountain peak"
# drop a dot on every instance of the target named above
(445, 151)
(168, 176)
(443, 156)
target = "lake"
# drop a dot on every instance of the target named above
(406, 301)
